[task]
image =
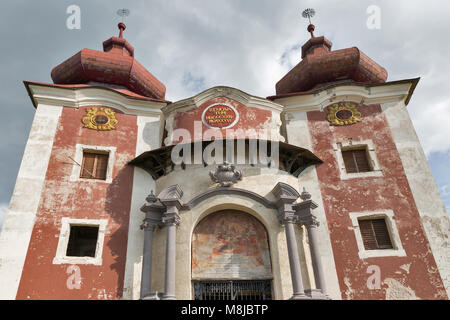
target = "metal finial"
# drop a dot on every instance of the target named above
(308, 13)
(124, 12)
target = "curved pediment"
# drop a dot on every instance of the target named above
(219, 111)
(222, 91)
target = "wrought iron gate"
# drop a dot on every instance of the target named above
(233, 290)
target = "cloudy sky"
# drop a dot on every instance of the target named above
(191, 45)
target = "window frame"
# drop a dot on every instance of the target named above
(75, 230)
(368, 145)
(374, 234)
(63, 242)
(94, 174)
(355, 162)
(80, 149)
(388, 216)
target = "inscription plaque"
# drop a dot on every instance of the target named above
(220, 116)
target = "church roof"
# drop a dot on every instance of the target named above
(115, 66)
(321, 67)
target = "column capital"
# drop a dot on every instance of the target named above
(171, 218)
(171, 194)
(303, 211)
(147, 225)
(309, 221)
(153, 213)
(170, 198)
(285, 196)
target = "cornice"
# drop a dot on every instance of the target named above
(363, 94)
(222, 91)
(85, 96)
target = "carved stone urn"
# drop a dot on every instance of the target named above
(226, 174)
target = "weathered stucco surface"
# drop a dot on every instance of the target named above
(18, 224)
(148, 138)
(389, 192)
(260, 116)
(297, 132)
(434, 217)
(92, 199)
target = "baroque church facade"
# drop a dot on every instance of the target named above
(321, 191)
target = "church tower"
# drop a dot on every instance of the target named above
(321, 191)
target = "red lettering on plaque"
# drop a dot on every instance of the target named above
(220, 116)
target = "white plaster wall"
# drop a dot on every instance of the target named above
(148, 138)
(426, 195)
(298, 134)
(19, 222)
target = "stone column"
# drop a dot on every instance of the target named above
(286, 196)
(153, 214)
(294, 262)
(170, 198)
(306, 218)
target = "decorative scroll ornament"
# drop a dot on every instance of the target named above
(226, 174)
(99, 118)
(343, 113)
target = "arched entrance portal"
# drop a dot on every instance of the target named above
(231, 258)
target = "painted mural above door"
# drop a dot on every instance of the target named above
(230, 245)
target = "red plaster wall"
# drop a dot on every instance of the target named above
(249, 118)
(391, 191)
(41, 279)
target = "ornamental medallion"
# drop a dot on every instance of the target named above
(343, 113)
(99, 118)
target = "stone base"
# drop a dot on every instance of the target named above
(300, 297)
(153, 296)
(316, 294)
(168, 297)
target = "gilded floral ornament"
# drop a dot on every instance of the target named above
(343, 113)
(99, 118)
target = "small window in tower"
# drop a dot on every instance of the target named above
(82, 241)
(375, 234)
(94, 165)
(356, 160)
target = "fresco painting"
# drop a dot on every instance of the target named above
(230, 245)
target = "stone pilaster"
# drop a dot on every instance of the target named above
(285, 197)
(304, 216)
(152, 220)
(170, 198)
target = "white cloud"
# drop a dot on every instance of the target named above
(432, 124)
(445, 190)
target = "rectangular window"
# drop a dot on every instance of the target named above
(94, 165)
(375, 234)
(82, 241)
(356, 161)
